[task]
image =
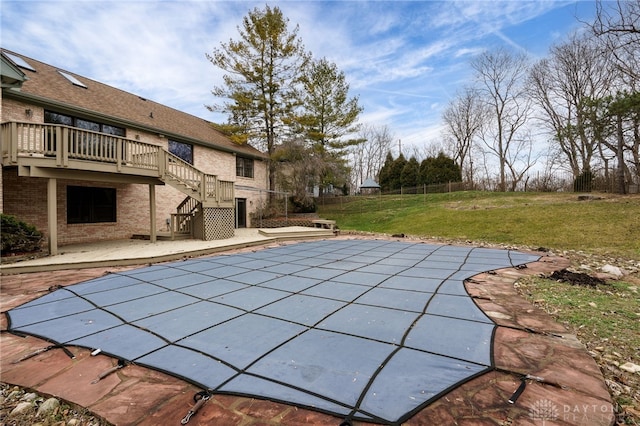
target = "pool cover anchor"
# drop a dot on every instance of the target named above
(199, 398)
(523, 385)
(121, 364)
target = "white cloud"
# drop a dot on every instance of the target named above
(404, 58)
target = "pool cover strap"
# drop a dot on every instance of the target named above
(121, 364)
(43, 350)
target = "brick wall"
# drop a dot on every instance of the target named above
(29, 204)
(13, 110)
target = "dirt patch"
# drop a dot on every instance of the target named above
(576, 278)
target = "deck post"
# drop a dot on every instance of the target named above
(152, 211)
(52, 216)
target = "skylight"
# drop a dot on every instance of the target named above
(20, 62)
(72, 79)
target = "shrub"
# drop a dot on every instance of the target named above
(306, 205)
(18, 236)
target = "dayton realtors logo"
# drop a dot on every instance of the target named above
(544, 410)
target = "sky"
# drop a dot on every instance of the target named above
(404, 60)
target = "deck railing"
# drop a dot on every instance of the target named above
(71, 148)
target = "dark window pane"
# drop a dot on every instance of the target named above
(244, 167)
(55, 118)
(239, 166)
(181, 150)
(91, 205)
(113, 130)
(87, 125)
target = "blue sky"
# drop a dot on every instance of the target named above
(404, 59)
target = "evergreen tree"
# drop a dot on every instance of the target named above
(395, 173)
(384, 178)
(263, 69)
(440, 169)
(410, 173)
(328, 117)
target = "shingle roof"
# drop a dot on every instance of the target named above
(369, 183)
(47, 85)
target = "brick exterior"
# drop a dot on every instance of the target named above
(29, 204)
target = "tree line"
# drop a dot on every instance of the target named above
(400, 173)
(584, 96)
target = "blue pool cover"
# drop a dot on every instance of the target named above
(367, 330)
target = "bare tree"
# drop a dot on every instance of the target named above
(463, 119)
(565, 86)
(618, 26)
(366, 159)
(501, 75)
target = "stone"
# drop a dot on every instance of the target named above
(613, 271)
(29, 397)
(630, 367)
(21, 408)
(498, 315)
(48, 406)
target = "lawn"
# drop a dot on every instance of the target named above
(591, 233)
(610, 225)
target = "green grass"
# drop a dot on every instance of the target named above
(606, 316)
(556, 221)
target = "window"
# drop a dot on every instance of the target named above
(20, 62)
(72, 79)
(87, 125)
(91, 205)
(55, 118)
(244, 167)
(68, 120)
(181, 150)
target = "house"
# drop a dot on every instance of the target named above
(84, 161)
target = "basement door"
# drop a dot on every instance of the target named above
(241, 212)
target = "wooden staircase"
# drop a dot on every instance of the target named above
(181, 225)
(203, 187)
(202, 190)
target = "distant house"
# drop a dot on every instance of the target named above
(84, 161)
